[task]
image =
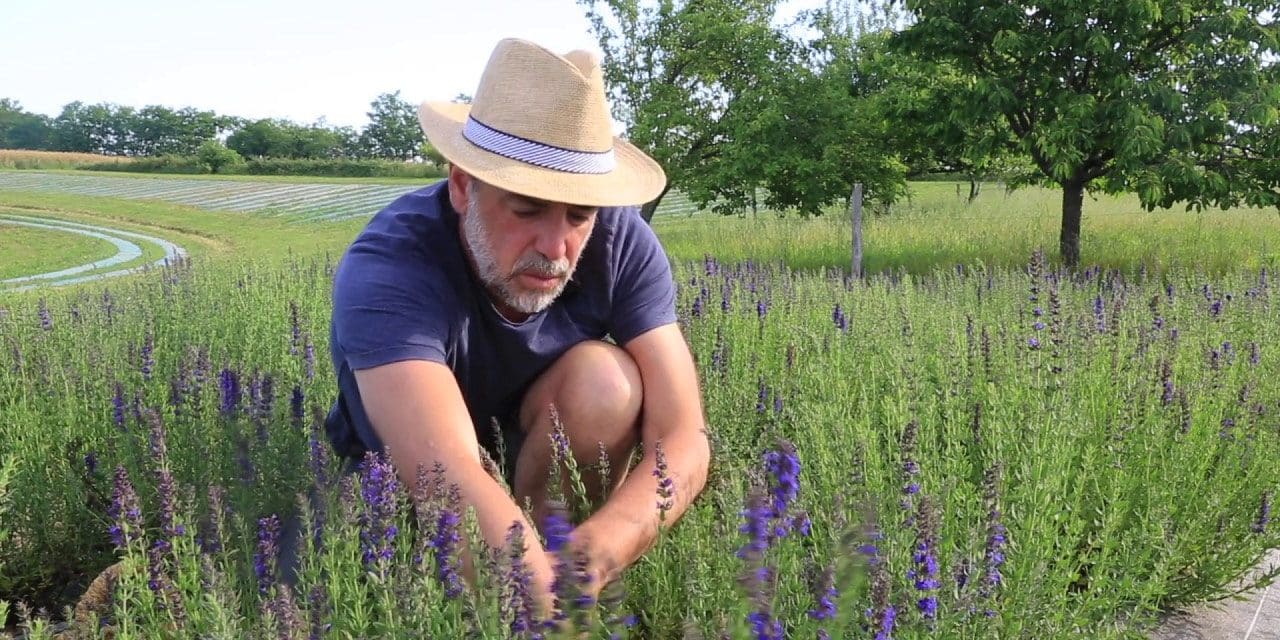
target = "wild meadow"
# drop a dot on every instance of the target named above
(991, 447)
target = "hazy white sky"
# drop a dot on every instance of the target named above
(265, 58)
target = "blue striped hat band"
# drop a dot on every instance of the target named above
(537, 153)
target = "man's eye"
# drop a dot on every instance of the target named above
(526, 213)
(579, 219)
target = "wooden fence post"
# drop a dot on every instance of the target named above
(855, 211)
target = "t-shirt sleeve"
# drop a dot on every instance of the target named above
(644, 292)
(388, 308)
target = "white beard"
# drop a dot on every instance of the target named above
(501, 284)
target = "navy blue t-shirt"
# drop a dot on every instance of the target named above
(404, 290)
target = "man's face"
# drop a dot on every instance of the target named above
(525, 250)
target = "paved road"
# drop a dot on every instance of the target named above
(1256, 618)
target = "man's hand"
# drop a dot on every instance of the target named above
(600, 568)
(417, 410)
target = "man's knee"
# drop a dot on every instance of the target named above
(598, 382)
(607, 378)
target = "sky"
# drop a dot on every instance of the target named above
(300, 60)
(264, 58)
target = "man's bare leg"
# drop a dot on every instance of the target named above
(597, 391)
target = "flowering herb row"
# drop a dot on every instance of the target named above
(977, 453)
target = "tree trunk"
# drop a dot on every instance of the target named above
(1069, 239)
(975, 187)
(647, 210)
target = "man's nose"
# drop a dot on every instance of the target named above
(553, 239)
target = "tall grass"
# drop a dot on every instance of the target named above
(50, 160)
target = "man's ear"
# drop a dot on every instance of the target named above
(458, 181)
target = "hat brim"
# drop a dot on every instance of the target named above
(635, 180)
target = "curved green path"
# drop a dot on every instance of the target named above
(27, 250)
(127, 258)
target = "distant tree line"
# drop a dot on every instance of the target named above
(392, 132)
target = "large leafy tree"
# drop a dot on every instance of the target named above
(393, 130)
(822, 126)
(95, 128)
(912, 94)
(263, 138)
(160, 130)
(734, 102)
(276, 138)
(1176, 100)
(684, 78)
(20, 129)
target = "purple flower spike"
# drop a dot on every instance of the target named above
(148, 355)
(824, 596)
(666, 486)
(1264, 514)
(997, 538)
(46, 319)
(783, 467)
(378, 488)
(295, 328)
(264, 560)
(309, 358)
(517, 594)
(231, 394)
(755, 526)
(118, 406)
(557, 529)
(887, 623)
(124, 512)
(570, 568)
(764, 626)
(297, 406)
(445, 543)
(925, 571)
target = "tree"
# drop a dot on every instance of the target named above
(393, 131)
(159, 130)
(916, 96)
(263, 138)
(680, 75)
(735, 103)
(22, 130)
(1176, 100)
(95, 128)
(823, 127)
(216, 156)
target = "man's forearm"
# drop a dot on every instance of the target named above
(627, 525)
(495, 513)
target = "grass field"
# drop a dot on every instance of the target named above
(29, 250)
(1007, 452)
(935, 230)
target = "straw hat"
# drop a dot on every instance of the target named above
(539, 126)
